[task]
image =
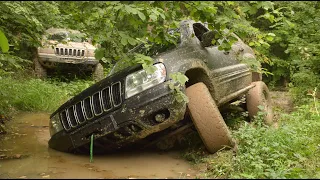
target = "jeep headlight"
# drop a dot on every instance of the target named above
(55, 125)
(141, 80)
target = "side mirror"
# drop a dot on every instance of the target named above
(207, 38)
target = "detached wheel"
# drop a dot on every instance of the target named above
(259, 96)
(98, 72)
(40, 71)
(207, 118)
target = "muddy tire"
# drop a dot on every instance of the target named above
(207, 118)
(98, 72)
(39, 70)
(259, 96)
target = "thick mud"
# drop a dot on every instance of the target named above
(24, 153)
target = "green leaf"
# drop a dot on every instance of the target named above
(153, 17)
(269, 38)
(132, 41)
(181, 97)
(181, 78)
(130, 10)
(4, 42)
(162, 16)
(142, 16)
(149, 68)
(99, 53)
(171, 86)
(104, 60)
(251, 43)
(124, 41)
(271, 34)
(290, 23)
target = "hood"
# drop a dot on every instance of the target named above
(77, 45)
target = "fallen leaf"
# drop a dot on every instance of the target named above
(18, 156)
(47, 176)
(188, 175)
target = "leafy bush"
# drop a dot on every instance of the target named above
(291, 151)
(36, 94)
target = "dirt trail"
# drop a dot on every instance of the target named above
(27, 146)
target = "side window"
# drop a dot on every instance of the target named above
(204, 35)
(199, 29)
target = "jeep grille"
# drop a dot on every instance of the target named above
(105, 100)
(69, 52)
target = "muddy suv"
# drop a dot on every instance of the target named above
(130, 108)
(66, 49)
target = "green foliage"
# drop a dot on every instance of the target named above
(118, 26)
(71, 88)
(294, 50)
(274, 29)
(178, 81)
(282, 34)
(146, 61)
(10, 64)
(291, 151)
(23, 24)
(31, 95)
(3, 42)
(36, 94)
(28, 20)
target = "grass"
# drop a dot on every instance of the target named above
(29, 94)
(290, 151)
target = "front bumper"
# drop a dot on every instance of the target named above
(51, 60)
(132, 122)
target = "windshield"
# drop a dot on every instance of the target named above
(149, 49)
(77, 37)
(58, 36)
(66, 36)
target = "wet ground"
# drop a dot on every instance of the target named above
(24, 153)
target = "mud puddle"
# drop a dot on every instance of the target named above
(24, 153)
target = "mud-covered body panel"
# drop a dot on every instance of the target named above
(115, 128)
(222, 72)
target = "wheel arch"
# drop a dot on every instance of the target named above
(199, 74)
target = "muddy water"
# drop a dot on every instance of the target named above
(25, 154)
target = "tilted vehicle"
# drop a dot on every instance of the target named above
(130, 108)
(66, 49)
